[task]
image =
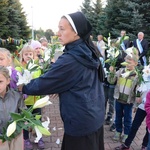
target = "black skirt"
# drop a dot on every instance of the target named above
(94, 141)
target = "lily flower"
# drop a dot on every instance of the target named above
(31, 65)
(47, 55)
(38, 134)
(42, 102)
(45, 124)
(25, 78)
(116, 54)
(11, 129)
(146, 70)
(129, 51)
(109, 41)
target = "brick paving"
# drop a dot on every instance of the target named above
(56, 128)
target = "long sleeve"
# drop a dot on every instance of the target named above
(63, 74)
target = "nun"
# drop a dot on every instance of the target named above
(77, 77)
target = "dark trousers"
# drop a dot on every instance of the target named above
(138, 119)
(93, 141)
(25, 132)
(123, 111)
(109, 98)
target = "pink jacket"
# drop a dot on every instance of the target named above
(147, 109)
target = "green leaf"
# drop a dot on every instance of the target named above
(37, 117)
(44, 131)
(36, 122)
(15, 116)
(34, 68)
(27, 114)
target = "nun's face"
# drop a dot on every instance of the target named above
(66, 33)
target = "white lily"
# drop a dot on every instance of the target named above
(47, 55)
(42, 102)
(25, 78)
(116, 54)
(111, 52)
(146, 70)
(31, 65)
(11, 129)
(144, 87)
(129, 51)
(38, 134)
(45, 124)
(109, 41)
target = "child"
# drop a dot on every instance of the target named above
(140, 113)
(26, 54)
(138, 119)
(36, 45)
(124, 94)
(6, 61)
(13, 101)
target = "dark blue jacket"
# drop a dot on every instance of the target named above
(75, 77)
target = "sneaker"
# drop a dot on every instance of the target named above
(108, 120)
(143, 148)
(122, 147)
(41, 144)
(28, 144)
(124, 137)
(113, 127)
(117, 136)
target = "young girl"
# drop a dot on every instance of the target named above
(10, 101)
(26, 54)
(6, 61)
(124, 94)
(36, 45)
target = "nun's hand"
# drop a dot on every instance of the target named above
(20, 87)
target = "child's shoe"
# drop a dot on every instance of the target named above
(41, 144)
(27, 144)
(117, 136)
(108, 120)
(113, 127)
(122, 147)
(124, 137)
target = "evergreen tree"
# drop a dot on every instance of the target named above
(139, 18)
(17, 24)
(132, 16)
(93, 12)
(96, 18)
(3, 18)
(87, 9)
(114, 17)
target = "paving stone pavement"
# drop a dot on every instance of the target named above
(56, 129)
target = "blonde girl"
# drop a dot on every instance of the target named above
(27, 53)
(6, 61)
(12, 102)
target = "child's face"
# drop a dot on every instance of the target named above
(38, 51)
(131, 64)
(4, 61)
(4, 82)
(27, 56)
